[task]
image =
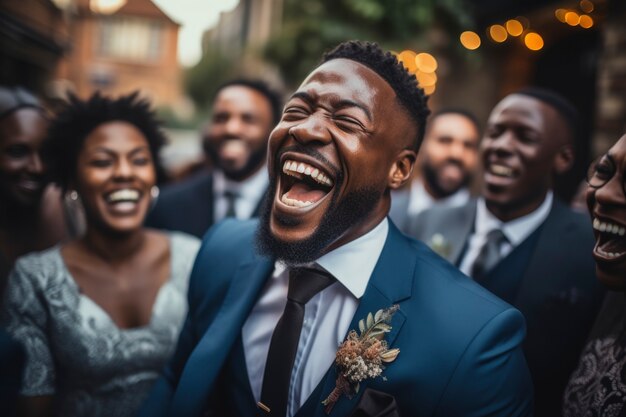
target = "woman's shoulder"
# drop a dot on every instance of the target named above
(39, 264)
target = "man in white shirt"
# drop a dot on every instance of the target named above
(264, 326)
(243, 115)
(446, 165)
(520, 242)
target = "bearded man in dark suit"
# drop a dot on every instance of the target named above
(264, 326)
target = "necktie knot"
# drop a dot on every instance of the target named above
(304, 283)
(489, 254)
(231, 197)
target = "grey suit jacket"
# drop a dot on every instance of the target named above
(558, 292)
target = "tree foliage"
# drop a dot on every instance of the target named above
(313, 26)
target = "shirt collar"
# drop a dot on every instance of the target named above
(421, 199)
(353, 263)
(515, 230)
(251, 188)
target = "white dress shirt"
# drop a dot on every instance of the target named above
(420, 200)
(250, 192)
(327, 316)
(515, 230)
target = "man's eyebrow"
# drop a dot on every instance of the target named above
(302, 96)
(351, 103)
(341, 104)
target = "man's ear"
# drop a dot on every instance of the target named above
(564, 159)
(402, 168)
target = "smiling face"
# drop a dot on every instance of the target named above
(21, 170)
(114, 175)
(450, 154)
(525, 144)
(236, 138)
(607, 205)
(341, 144)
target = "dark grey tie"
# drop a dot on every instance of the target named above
(489, 255)
(231, 198)
(304, 283)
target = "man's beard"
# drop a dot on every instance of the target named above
(254, 161)
(431, 176)
(339, 218)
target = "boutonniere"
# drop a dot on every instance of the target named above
(440, 245)
(362, 355)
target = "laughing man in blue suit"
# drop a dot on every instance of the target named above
(253, 345)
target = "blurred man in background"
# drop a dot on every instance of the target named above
(511, 239)
(446, 165)
(244, 113)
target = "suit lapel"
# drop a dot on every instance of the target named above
(208, 357)
(384, 289)
(459, 229)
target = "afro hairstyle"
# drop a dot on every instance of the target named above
(78, 118)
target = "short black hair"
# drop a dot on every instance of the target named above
(566, 110)
(78, 118)
(410, 95)
(261, 87)
(457, 110)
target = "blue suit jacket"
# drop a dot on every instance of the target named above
(460, 346)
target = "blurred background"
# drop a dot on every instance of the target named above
(465, 53)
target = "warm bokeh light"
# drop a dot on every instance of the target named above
(533, 41)
(498, 33)
(407, 58)
(586, 21)
(586, 6)
(425, 62)
(560, 14)
(426, 79)
(105, 6)
(430, 89)
(572, 18)
(514, 27)
(470, 40)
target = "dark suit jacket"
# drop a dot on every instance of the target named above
(186, 206)
(460, 347)
(556, 291)
(12, 360)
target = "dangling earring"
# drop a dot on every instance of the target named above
(154, 191)
(74, 195)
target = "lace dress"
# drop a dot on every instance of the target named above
(598, 386)
(74, 349)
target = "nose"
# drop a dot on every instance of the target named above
(612, 192)
(502, 145)
(456, 151)
(233, 126)
(123, 169)
(311, 130)
(35, 165)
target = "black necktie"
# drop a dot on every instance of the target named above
(231, 198)
(304, 283)
(489, 254)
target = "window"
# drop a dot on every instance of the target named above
(130, 38)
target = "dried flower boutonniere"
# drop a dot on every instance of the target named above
(362, 355)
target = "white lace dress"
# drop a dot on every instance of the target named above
(74, 349)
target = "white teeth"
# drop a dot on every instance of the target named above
(123, 195)
(501, 170)
(306, 169)
(606, 227)
(295, 203)
(610, 254)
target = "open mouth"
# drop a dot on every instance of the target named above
(610, 240)
(303, 185)
(500, 170)
(125, 199)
